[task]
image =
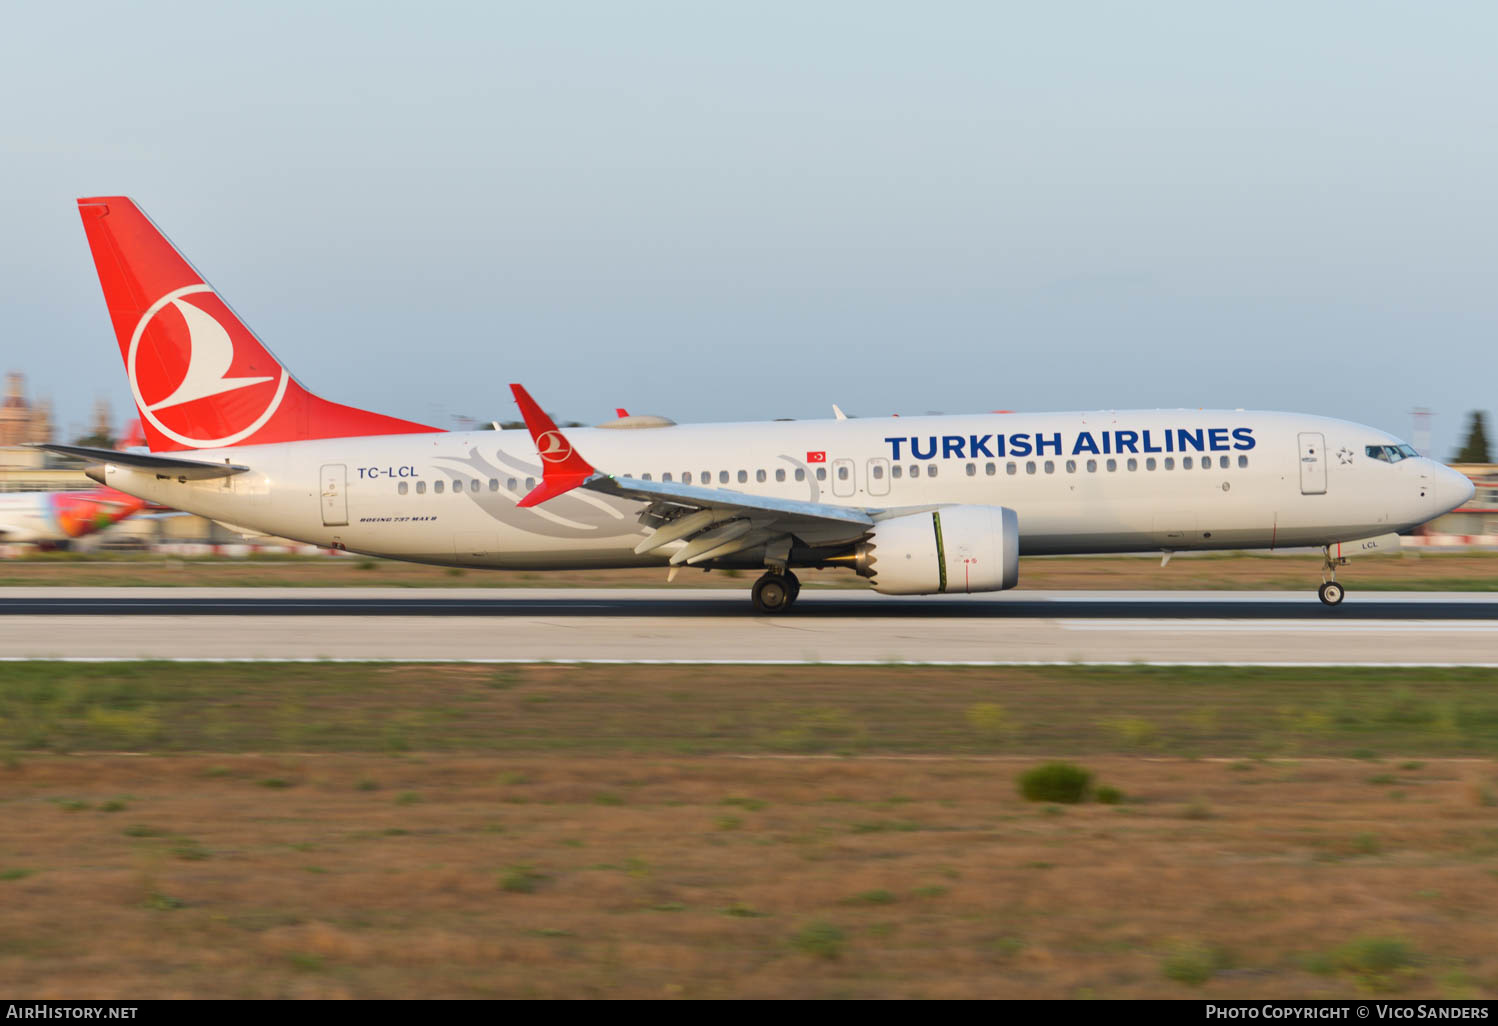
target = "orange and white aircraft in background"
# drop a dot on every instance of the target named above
(918, 505)
(52, 519)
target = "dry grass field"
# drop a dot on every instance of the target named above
(449, 831)
(1475, 571)
(464, 876)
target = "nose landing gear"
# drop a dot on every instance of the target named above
(776, 592)
(1330, 591)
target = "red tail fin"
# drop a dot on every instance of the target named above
(201, 379)
(562, 467)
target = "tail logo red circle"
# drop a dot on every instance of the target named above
(191, 357)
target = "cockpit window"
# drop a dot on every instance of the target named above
(1390, 453)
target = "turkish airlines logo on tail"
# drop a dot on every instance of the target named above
(553, 447)
(185, 369)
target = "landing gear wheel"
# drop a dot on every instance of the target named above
(795, 583)
(773, 594)
(1331, 593)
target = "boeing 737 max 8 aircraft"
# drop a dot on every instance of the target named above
(919, 505)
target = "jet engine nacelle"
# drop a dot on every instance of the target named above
(954, 549)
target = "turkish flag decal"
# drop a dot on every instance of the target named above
(816, 457)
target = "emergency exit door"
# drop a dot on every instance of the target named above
(1312, 463)
(842, 478)
(334, 495)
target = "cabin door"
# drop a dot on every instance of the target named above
(334, 495)
(1312, 463)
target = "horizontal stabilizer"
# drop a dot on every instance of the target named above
(172, 466)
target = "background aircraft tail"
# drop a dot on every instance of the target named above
(200, 377)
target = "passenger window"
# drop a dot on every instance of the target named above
(402, 488)
(842, 473)
(512, 484)
(1011, 468)
(780, 474)
(666, 476)
(1222, 461)
(473, 485)
(743, 477)
(972, 470)
(915, 470)
(1185, 462)
(1071, 466)
(1092, 466)
(1242, 462)
(821, 473)
(437, 487)
(494, 484)
(1050, 466)
(1030, 467)
(1150, 464)
(643, 477)
(1206, 463)
(707, 477)
(530, 482)
(457, 486)
(1133, 464)
(421, 487)
(1170, 463)
(877, 472)
(686, 477)
(759, 476)
(801, 474)
(931, 470)
(990, 469)
(894, 471)
(1112, 466)
(722, 477)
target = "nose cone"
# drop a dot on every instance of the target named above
(1452, 489)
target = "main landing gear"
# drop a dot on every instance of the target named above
(776, 592)
(1330, 591)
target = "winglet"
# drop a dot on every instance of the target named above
(562, 469)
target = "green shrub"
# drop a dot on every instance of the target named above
(987, 718)
(875, 897)
(1373, 956)
(739, 910)
(1109, 795)
(520, 880)
(821, 940)
(1193, 964)
(1056, 782)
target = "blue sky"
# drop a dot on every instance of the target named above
(736, 213)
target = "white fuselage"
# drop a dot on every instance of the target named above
(1197, 480)
(29, 517)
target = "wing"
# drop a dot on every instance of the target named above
(714, 522)
(718, 522)
(173, 466)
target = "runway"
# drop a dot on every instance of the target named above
(681, 625)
